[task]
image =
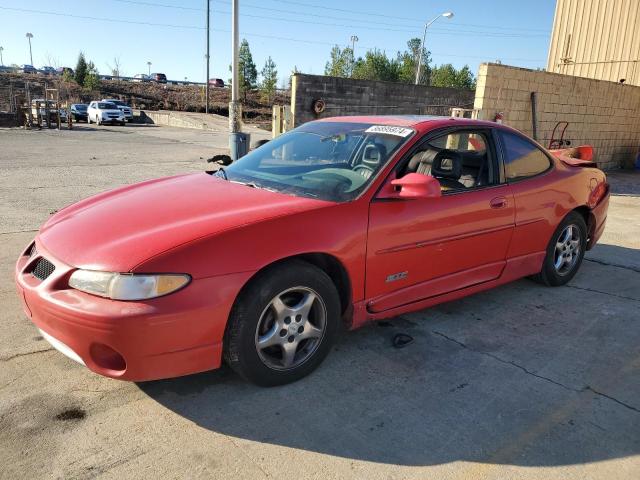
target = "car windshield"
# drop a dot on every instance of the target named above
(80, 106)
(332, 161)
(107, 106)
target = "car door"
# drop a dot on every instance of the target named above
(421, 248)
(535, 198)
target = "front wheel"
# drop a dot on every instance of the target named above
(283, 324)
(565, 251)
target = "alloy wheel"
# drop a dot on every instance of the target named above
(291, 328)
(567, 251)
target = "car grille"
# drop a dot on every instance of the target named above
(43, 269)
(113, 115)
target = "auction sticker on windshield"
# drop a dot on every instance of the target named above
(389, 130)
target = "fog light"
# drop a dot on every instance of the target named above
(107, 358)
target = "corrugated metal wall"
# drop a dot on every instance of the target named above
(597, 39)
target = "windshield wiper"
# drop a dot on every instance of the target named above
(221, 172)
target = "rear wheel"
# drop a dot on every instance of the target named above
(89, 119)
(565, 251)
(283, 324)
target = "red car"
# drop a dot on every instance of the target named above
(347, 219)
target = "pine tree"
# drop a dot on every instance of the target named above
(248, 72)
(92, 78)
(269, 79)
(81, 69)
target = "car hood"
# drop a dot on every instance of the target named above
(120, 229)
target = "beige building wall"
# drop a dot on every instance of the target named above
(596, 39)
(602, 114)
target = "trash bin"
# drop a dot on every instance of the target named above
(238, 145)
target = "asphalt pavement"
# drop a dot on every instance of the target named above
(521, 382)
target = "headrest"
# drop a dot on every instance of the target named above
(447, 164)
(373, 155)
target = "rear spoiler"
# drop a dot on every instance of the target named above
(581, 156)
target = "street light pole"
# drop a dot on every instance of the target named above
(1, 61)
(447, 15)
(206, 107)
(149, 66)
(29, 37)
(354, 39)
(236, 139)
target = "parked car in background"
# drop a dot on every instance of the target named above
(62, 70)
(28, 69)
(346, 219)
(79, 111)
(105, 112)
(158, 77)
(216, 82)
(126, 109)
(48, 70)
(141, 77)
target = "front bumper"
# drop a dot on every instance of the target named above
(119, 119)
(170, 336)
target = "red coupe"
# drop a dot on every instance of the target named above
(348, 219)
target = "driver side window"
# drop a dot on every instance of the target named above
(459, 161)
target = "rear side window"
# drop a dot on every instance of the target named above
(522, 158)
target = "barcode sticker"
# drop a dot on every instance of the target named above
(390, 130)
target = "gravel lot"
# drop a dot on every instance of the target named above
(519, 382)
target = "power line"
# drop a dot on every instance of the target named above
(257, 35)
(360, 12)
(367, 23)
(101, 19)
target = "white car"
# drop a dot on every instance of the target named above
(126, 109)
(104, 112)
(141, 77)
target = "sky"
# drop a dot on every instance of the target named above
(295, 33)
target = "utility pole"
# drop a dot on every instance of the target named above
(354, 39)
(29, 37)
(237, 139)
(149, 66)
(206, 107)
(1, 61)
(447, 15)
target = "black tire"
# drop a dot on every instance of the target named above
(240, 341)
(549, 275)
(122, 124)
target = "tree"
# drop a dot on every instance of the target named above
(376, 66)
(115, 69)
(92, 77)
(408, 63)
(67, 76)
(447, 76)
(341, 62)
(269, 79)
(81, 69)
(248, 73)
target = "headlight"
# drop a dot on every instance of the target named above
(127, 286)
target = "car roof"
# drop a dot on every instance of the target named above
(424, 121)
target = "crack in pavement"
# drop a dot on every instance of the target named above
(11, 357)
(603, 293)
(602, 262)
(586, 388)
(18, 231)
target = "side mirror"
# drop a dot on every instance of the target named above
(416, 185)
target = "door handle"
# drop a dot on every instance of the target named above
(498, 202)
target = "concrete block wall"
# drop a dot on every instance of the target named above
(346, 96)
(600, 113)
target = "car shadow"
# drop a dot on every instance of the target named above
(517, 375)
(624, 183)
